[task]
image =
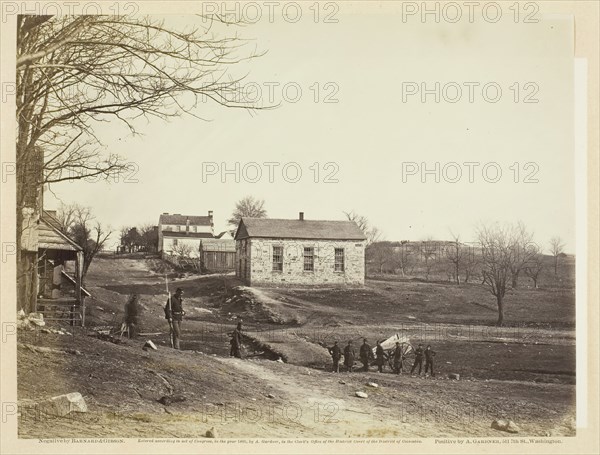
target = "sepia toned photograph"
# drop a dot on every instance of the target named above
(263, 226)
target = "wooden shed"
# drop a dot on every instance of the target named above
(60, 295)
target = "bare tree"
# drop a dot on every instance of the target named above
(534, 267)
(403, 257)
(524, 249)
(428, 250)
(183, 250)
(88, 233)
(470, 261)
(556, 249)
(249, 207)
(380, 253)
(372, 233)
(455, 254)
(186, 258)
(496, 258)
(74, 72)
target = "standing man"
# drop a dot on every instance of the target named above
(336, 355)
(366, 353)
(132, 312)
(349, 355)
(236, 342)
(174, 314)
(398, 358)
(418, 359)
(429, 355)
(379, 357)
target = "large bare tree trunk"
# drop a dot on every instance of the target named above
(500, 302)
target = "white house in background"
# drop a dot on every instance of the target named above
(175, 231)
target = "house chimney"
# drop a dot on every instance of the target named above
(187, 224)
(210, 213)
(301, 216)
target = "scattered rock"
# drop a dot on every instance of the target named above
(37, 319)
(342, 382)
(212, 433)
(372, 384)
(361, 395)
(270, 395)
(449, 363)
(454, 376)
(167, 400)
(411, 317)
(151, 345)
(46, 350)
(21, 314)
(59, 406)
(24, 324)
(109, 338)
(280, 360)
(505, 425)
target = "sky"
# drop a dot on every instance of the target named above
(360, 132)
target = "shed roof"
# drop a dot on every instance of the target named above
(298, 229)
(167, 218)
(50, 237)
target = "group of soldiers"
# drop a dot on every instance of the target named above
(381, 357)
(174, 314)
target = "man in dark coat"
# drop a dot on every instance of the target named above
(398, 358)
(366, 354)
(349, 356)
(132, 313)
(236, 342)
(174, 314)
(418, 359)
(429, 355)
(379, 357)
(336, 355)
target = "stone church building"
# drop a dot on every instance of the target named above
(277, 252)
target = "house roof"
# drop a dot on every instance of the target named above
(298, 229)
(187, 235)
(218, 245)
(50, 237)
(166, 218)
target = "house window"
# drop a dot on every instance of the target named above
(174, 242)
(178, 228)
(277, 259)
(309, 259)
(339, 260)
(195, 228)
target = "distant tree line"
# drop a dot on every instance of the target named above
(501, 255)
(143, 238)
